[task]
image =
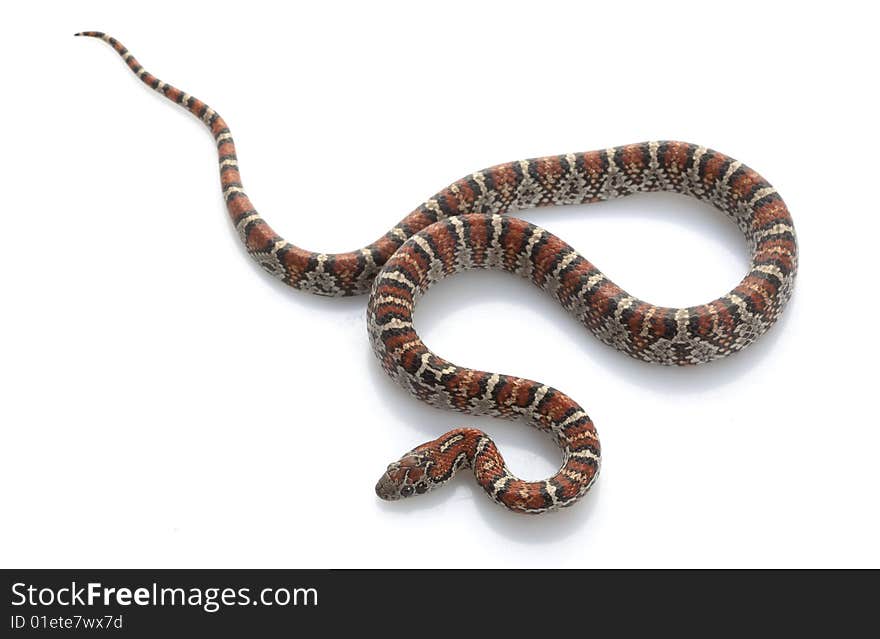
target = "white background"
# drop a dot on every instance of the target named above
(165, 403)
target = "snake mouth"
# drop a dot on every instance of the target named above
(386, 488)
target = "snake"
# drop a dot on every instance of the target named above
(466, 226)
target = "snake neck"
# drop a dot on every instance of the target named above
(435, 463)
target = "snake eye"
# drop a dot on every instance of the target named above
(421, 487)
(406, 491)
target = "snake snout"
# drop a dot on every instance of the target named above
(386, 488)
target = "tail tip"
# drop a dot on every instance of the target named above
(92, 34)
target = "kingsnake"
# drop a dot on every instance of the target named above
(463, 227)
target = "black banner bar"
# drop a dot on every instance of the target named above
(151, 603)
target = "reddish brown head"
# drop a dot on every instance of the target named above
(407, 476)
(429, 465)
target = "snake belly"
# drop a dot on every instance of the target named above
(464, 226)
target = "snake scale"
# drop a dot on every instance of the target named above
(464, 227)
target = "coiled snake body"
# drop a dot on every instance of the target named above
(463, 227)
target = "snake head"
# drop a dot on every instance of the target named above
(406, 477)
